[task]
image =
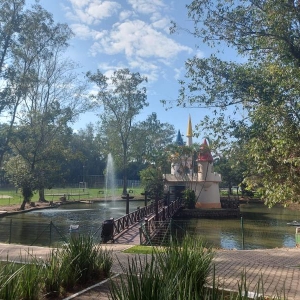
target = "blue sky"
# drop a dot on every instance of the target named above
(133, 34)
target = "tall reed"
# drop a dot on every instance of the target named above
(84, 261)
(76, 264)
(178, 273)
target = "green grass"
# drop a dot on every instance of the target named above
(139, 249)
(15, 196)
(78, 264)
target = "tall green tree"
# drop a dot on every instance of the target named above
(148, 136)
(260, 93)
(88, 155)
(27, 36)
(122, 98)
(48, 96)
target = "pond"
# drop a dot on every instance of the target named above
(263, 227)
(47, 226)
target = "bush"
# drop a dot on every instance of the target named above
(189, 198)
(178, 273)
(83, 261)
(76, 264)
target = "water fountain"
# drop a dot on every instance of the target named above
(110, 178)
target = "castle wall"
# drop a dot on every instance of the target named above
(209, 195)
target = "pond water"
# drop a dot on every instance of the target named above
(263, 227)
(34, 227)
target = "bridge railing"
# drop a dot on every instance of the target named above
(124, 222)
(153, 225)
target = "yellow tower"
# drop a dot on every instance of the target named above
(189, 133)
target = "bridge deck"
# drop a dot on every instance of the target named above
(126, 230)
(131, 236)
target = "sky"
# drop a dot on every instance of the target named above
(133, 34)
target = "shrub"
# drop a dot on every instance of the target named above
(83, 261)
(189, 198)
(178, 273)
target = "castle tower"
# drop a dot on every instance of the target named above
(205, 183)
(179, 140)
(208, 180)
(189, 133)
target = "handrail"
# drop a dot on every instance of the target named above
(153, 223)
(124, 222)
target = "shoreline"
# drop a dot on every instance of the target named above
(7, 210)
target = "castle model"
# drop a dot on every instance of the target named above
(197, 174)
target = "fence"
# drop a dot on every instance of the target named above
(136, 216)
(42, 235)
(157, 225)
(238, 234)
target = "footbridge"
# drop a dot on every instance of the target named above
(140, 225)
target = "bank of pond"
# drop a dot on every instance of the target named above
(262, 227)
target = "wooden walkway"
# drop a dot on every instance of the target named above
(126, 230)
(131, 236)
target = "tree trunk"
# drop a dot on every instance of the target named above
(22, 207)
(42, 195)
(27, 195)
(124, 171)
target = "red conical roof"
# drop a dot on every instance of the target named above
(204, 153)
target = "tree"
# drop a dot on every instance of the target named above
(122, 99)
(27, 37)
(18, 172)
(48, 96)
(148, 136)
(89, 157)
(261, 93)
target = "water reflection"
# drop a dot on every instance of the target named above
(34, 227)
(263, 227)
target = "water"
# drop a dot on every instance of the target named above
(110, 178)
(263, 228)
(33, 227)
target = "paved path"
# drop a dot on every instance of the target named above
(279, 269)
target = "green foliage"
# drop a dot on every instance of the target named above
(122, 102)
(189, 198)
(87, 261)
(152, 181)
(255, 100)
(78, 263)
(180, 272)
(150, 137)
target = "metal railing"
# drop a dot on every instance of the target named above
(27, 234)
(155, 223)
(138, 215)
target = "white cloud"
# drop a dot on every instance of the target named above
(163, 23)
(92, 11)
(200, 54)
(84, 32)
(135, 34)
(146, 6)
(126, 14)
(178, 72)
(137, 38)
(146, 68)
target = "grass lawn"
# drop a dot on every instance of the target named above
(139, 249)
(13, 196)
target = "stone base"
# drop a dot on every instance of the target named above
(207, 205)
